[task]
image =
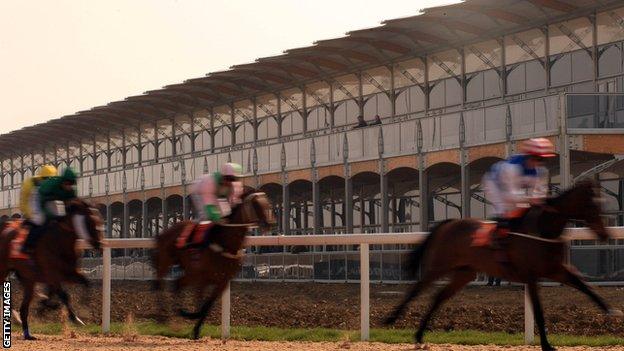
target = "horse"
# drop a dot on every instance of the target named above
(448, 251)
(54, 260)
(220, 261)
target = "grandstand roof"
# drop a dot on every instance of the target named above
(433, 30)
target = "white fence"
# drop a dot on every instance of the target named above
(363, 240)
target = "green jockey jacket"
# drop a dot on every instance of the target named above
(51, 190)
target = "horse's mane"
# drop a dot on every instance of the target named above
(587, 184)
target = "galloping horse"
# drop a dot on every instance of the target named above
(54, 260)
(219, 262)
(448, 250)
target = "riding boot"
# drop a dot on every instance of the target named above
(32, 238)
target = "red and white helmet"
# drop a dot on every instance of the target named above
(538, 147)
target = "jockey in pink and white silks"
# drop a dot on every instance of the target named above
(215, 194)
(213, 197)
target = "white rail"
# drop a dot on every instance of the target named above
(363, 240)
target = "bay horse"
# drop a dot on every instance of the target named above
(54, 260)
(448, 251)
(219, 262)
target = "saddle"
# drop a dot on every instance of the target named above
(194, 235)
(15, 246)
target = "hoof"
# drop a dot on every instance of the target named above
(195, 335)
(188, 315)
(421, 346)
(614, 312)
(29, 337)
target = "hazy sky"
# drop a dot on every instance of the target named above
(63, 56)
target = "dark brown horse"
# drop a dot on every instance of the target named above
(448, 251)
(55, 258)
(219, 262)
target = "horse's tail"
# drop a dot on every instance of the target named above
(417, 255)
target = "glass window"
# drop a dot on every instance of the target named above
(267, 128)
(410, 100)
(474, 88)
(436, 95)
(522, 117)
(431, 132)
(561, 70)
(202, 141)
(244, 133)
(165, 148)
(582, 66)
(292, 123)
(378, 104)
(516, 79)
(318, 118)
(447, 92)
(492, 84)
(223, 136)
(321, 148)
(292, 154)
(370, 142)
(535, 75)
(346, 113)
(610, 60)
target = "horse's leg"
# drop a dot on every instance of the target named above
(428, 279)
(205, 308)
(539, 315)
(64, 296)
(570, 277)
(29, 289)
(460, 278)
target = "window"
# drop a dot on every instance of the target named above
(244, 133)
(223, 136)
(445, 92)
(526, 76)
(267, 128)
(292, 123)
(378, 104)
(318, 118)
(610, 60)
(346, 113)
(409, 100)
(483, 85)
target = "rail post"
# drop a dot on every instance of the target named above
(225, 313)
(364, 292)
(106, 289)
(529, 318)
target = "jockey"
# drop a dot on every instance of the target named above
(520, 181)
(29, 195)
(52, 194)
(214, 195)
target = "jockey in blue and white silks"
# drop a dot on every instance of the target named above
(520, 181)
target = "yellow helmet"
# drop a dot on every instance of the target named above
(47, 171)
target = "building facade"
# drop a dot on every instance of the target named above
(456, 89)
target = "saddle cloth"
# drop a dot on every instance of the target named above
(197, 231)
(15, 247)
(483, 235)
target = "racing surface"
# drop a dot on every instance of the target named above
(309, 305)
(58, 343)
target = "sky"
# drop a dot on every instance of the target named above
(63, 56)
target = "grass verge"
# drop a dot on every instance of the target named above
(463, 337)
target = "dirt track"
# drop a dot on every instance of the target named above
(306, 305)
(56, 343)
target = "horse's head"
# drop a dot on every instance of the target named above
(257, 209)
(583, 202)
(86, 221)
